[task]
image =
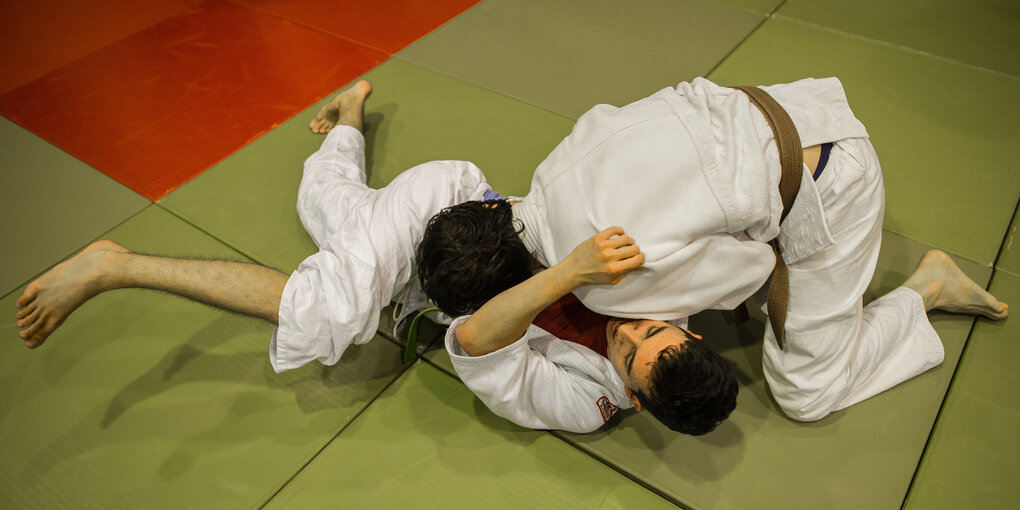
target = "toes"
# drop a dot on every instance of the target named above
(34, 342)
(40, 331)
(24, 322)
(23, 312)
(25, 298)
(31, 330)
(319, 126)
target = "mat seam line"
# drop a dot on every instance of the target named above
(956, 369)
(741, 7)
(947, 250)
(250, 256)
(630, 476)
(600, 460)
(404, 370)
(77, 250)
(754, 30)
(893, 45)
(482, 87)
(313, 28)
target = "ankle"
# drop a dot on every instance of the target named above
(928, 290)
(109, 271)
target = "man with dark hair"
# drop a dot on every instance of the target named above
(572, 369)
(691, 389)
(447, 266)
(693, 172)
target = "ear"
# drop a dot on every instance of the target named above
(633, 398)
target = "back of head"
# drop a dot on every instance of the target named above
(692, 389)
(470, 253)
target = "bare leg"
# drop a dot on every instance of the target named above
(105, 265)
(346, 108)
(943, 286)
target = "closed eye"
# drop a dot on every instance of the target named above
(654, 331)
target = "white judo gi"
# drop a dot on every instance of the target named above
(367, 240)
(692, 175)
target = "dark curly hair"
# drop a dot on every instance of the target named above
(470, 253)
(692, 389)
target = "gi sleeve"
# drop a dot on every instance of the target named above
(542, 382)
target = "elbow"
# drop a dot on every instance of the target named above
(468, 340)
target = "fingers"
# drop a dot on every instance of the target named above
(604, 258)
(619, 249)
(612, 238)
(614, 235)
(609, 232)
(624, 252)
(628, 264)
(623, 267)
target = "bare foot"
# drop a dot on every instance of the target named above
(344, 108)
(48, 301)
(943, 286)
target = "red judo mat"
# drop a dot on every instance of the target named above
(161, 105)
(39, 36)
(387, 26)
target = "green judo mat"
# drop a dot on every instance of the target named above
(144, 400)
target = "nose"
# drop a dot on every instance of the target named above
(630, 331)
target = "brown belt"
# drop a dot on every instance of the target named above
(791, 160)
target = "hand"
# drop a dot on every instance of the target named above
(603, 259)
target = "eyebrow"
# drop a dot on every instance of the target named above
(654, 331)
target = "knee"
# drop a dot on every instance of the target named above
(800, 400)
(804, 413)
(803, 405)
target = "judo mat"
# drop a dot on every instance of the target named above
(147, 400)
(166, 103)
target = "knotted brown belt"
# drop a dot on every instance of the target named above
(791, 161)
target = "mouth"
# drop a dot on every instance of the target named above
(614, 326)
(611, 328)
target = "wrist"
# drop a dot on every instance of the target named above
(563, 280)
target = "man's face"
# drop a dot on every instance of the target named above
(634, 345)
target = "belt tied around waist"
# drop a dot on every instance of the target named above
(791, 161)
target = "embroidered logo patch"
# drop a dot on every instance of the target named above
(606, 407)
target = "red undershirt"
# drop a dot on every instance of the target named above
(569, 320)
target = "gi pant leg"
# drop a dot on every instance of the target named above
(366, 239)
(839, 352)
(328, 301)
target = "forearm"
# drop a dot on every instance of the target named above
(505, 318)
(603, 259)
